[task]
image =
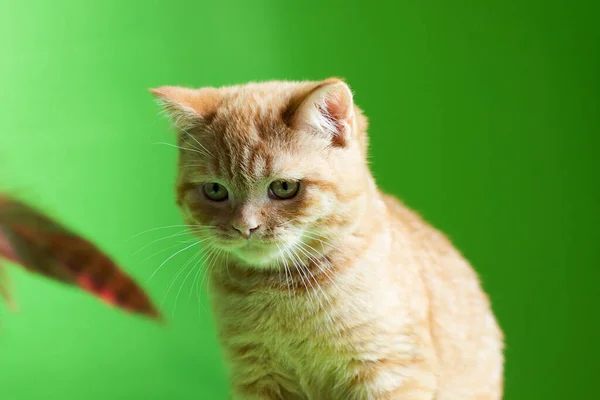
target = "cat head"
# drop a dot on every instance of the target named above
(269, 172)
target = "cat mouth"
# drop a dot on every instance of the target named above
(256, 254)
(247, 245)
(255, 251)
(258, 246)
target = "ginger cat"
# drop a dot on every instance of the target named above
(324, 287)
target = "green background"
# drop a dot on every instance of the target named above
(484, 118)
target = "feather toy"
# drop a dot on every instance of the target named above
(43, 246)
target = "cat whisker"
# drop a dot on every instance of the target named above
(197, 141)
(305, 271)
(162, 227)
(317, 287)
(197, 265)
(312, 257)
(168, 248)
(227, 265)
(213, 265)
(173, 255)
(318, 264)
(181, 233)
(192, 165)
(284, 262)
(181, 148)
(316, 236)
(191, 145)
(211, 262)
(190, 231)
(314, 260)
(181, 270)
(298, 271)
(310, 234)
(210, 259)
(321, 264)
(209, 249)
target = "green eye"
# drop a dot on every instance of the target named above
(284, 190)
(215, 191)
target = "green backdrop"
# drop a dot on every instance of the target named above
(484, 118)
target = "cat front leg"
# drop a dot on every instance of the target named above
(388, 380)
(253, 382)
(266, 390)
(254, 393)
(252, 376)
(249, 384)
(422, 388)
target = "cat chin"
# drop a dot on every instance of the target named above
(258, 253)
(257, 257)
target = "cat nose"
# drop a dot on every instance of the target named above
(245, 230)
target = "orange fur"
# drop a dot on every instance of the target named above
(340, 292)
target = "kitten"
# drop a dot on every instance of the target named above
(324, 287)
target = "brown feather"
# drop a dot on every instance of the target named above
(43, 246)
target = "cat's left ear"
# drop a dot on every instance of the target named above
(329, 109)
(188, 108)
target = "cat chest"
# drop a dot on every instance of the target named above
(304, 347)
(297, 356)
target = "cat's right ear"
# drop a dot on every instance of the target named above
(327, 108)
(188, 108)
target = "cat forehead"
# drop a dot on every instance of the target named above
(249, 138)
(263, 90)
(247, 164)
(251, 120)
(259, 105)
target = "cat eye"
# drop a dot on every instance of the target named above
(215, 191)
(284, 190)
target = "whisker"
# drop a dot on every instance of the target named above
(168, 248)
(301, 267)
(164, 262)
(212, 263)
(197, 141)
(182, 233)
(204, 154)
(192, 165)
(200, 269)
(317, 282)
(310, 234)
(227, 265)
(183, 284)
(284, 262)
(207, 272)
(325, 267)
(314, 284)
(321, 266)
(319, 238)
(300, 274)
(205, 259)
(181, 270)
(162, 227)
(315, 258)
(181, 148)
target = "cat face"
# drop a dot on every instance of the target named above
(270, 172)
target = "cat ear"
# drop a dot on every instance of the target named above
(188, 108)
(328, 108)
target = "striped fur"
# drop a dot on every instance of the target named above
(342, 292)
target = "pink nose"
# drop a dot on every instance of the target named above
(245, 231)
